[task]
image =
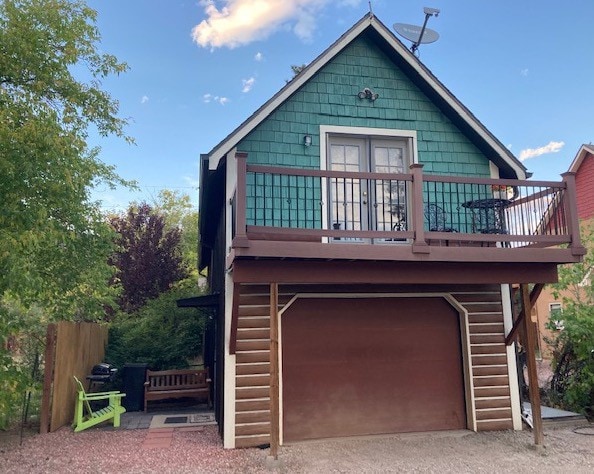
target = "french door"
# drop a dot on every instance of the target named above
(367, 204)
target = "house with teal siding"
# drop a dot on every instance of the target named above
(363, 231)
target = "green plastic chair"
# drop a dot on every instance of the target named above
(85, 417)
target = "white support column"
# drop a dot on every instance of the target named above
(229, 359)
(514, 389)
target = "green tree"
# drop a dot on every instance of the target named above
(148, 256)
(54, 241)
(53, 238)
(180, 213)
(159, 333)
(572, 384)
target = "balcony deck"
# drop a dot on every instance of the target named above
(291, 213)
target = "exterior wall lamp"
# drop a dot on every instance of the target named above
(368, 94)
(307, 140)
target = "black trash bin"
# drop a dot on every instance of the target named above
(133, 377)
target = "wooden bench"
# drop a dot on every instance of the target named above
(85, 416)
(164, 384)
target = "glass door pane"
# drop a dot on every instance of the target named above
(348, 196)
(390, 206)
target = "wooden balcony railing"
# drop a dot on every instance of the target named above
(341, 207)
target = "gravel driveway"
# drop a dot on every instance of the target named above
(96, 451)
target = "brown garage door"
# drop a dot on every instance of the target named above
(370, 366)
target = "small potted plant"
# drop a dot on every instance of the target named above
(501, 191)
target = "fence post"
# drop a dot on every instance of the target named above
(48, 376)
(240, 239)
(419, 243)
(572, 217)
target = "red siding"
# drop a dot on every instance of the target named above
(585, 188)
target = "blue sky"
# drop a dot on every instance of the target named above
(199, 68)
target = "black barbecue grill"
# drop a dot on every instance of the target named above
(100, 374)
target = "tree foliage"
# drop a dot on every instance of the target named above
(179, 213)
(572, 385)
(53, 238)
(54, 241)
(159, 334)
(148, 258)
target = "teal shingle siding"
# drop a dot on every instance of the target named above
(330, 98)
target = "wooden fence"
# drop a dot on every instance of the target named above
(71, 349)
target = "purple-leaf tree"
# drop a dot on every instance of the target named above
(148, 259)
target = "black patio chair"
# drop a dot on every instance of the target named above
(437, 219)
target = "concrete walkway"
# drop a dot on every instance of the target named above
(161, 424)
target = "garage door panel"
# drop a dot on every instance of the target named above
(365, 366)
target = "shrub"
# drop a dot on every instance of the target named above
(159, 334)
(22, 334)
(572, 384)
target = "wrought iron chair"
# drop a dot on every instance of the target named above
(437, 219)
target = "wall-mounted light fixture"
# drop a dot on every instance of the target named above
(307, 140)
(368, 94)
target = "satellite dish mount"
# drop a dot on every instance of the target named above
(419, 35)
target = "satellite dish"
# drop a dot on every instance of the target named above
(413, 33)
(418, 34)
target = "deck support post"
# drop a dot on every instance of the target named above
(274, 373)
(419, 244)
(529, 346)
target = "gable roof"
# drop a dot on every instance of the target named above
(581, 155)
(509, 165)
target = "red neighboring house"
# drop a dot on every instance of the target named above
(548, 307)
(583, 167)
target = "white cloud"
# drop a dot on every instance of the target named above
(551, 147)
(207, 98)
(259, 57)
(240, 22)
(524, 72)
(248, 84)
(192, 181)
(144, 99)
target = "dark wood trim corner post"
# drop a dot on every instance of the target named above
(419, 244)
(529, 346)
(573, 219)
(274, 373)
(240, 238)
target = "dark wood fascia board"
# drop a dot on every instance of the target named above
(211, 201)
(360, 272)
(402, 253)
(202, 301)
